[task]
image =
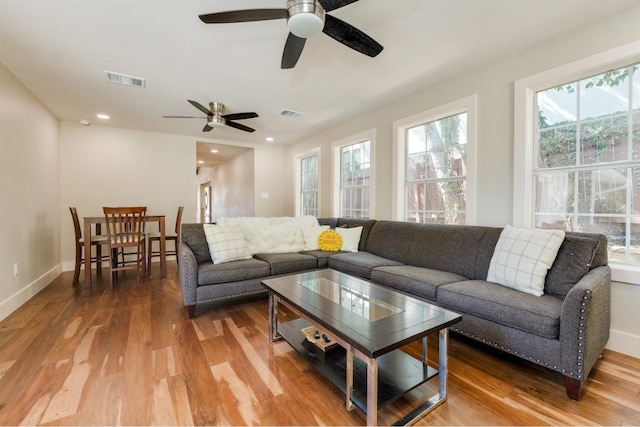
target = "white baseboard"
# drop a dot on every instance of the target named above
(16, 300)
(625, 343)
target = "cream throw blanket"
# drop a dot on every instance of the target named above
(274, 234)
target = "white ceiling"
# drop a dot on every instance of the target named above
(60, 50)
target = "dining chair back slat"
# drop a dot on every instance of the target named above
(125, 229)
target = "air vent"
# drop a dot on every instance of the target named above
(124, 79)
(290, 113)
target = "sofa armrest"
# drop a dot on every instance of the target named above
(188, 274)
(584, 323)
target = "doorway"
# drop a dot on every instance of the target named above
(205, 203)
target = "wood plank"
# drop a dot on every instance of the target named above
(75, 356)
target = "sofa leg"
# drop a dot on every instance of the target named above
(191, 311)
(573, 387)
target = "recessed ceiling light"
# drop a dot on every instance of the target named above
(200, 162)
(84, 122)
(214, 151)
(103, 116)
(269, 139)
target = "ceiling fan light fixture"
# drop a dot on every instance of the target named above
(306, 18)
(216, 121)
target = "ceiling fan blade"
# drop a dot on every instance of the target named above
(292, 50)
(243, 16)
(239, 126)
(184, 117)
(350, 36)
(200, 107)
(329, 5)
(240, 116)
(207, 128)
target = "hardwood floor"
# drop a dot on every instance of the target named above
(130, 356)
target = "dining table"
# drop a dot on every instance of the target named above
(98, 221)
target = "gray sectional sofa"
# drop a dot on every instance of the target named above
(564, 330)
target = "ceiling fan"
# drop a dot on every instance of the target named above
(216, 118)
(305, 18)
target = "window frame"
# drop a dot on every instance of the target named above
(524, 144)
(466, 105)
(298, 158)
(336, 148)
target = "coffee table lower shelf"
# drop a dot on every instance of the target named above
(398, 372)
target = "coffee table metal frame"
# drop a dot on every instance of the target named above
(372, 363)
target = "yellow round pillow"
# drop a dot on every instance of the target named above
(330, 241)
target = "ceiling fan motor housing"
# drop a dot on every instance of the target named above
(216, 119)
(305, 17)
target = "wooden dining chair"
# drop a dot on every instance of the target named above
(96, 242)
(125, 230)
(169, 237)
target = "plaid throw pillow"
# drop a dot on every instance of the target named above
(226, 243)
(522, 257)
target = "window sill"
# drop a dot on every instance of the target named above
(625, 273)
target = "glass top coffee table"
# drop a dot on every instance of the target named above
(368, 321)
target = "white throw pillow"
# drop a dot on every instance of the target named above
(226, 243)
(311, 236)
(522, 258)
(350, 238)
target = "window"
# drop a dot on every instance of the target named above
(579, 163)
(353, 166)
(435, 187)
(309, 185)
(586, 171)
(355, 178)
(435, 160)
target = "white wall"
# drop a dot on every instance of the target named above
(251, 184)
(493, 84)
(103, 166)
(269, 181)
(232, 186)
(30, 190)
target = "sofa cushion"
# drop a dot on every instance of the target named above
(211, 274)
(452, 248)
(578, 254)
(391, 240)
(522, 258)
(423, 282)
(289, 262)
(226, 243)
(193, 236)
(485, 252)
(321, 256)
(506, 306)
(358, 263)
